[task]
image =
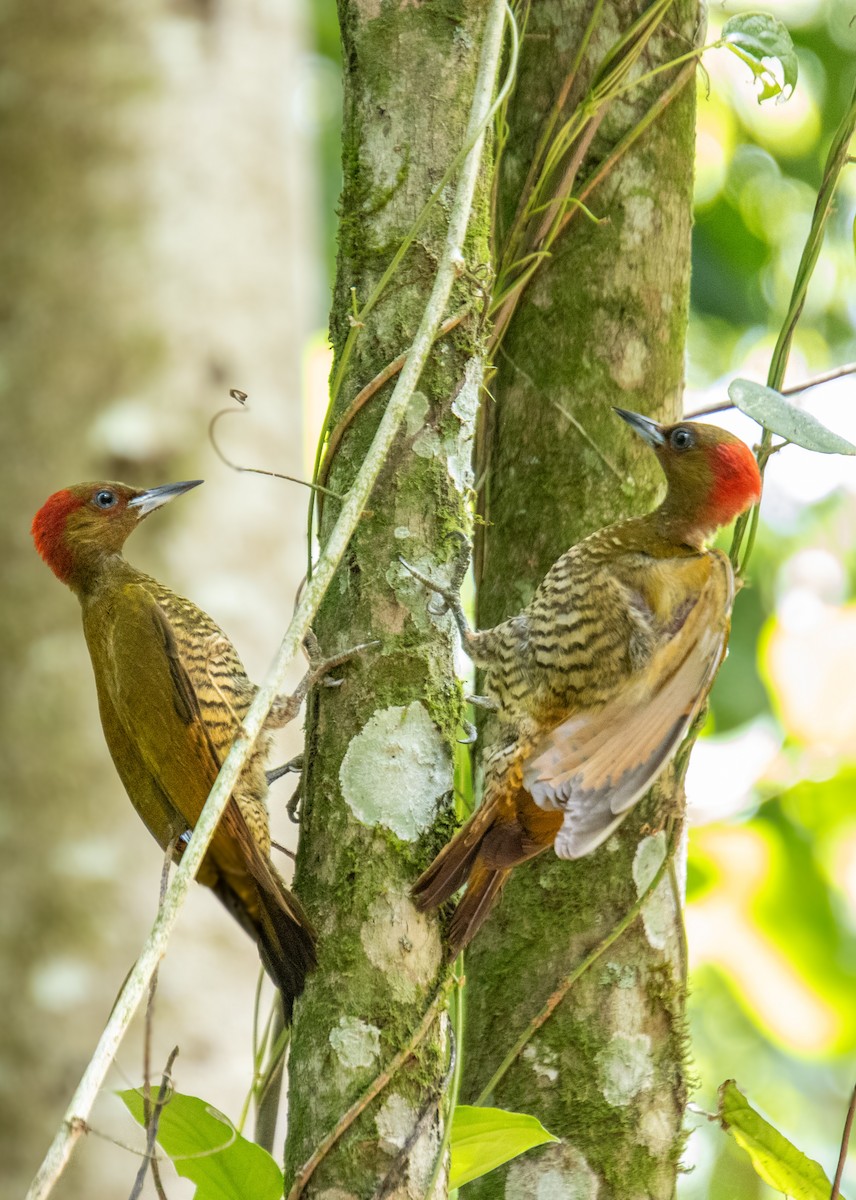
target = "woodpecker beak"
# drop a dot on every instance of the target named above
(148, 501)
(647, 429)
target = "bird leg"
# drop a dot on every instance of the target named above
(294, 766)
(294, 803)
(483, 702)
(286, 708)
(449, 592)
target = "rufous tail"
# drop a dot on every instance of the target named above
(458, 863)
(482, 892)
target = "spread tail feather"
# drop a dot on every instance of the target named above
(448, 872)
(482, 892)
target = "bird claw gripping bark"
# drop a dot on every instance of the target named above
(470, 734)
(286, 708)
(449, 592)
(294, 766)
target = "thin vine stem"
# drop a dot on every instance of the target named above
(73, 1123)
(836, 161)
(475, 136)
(568, 982)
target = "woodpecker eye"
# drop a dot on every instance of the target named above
(682, 438)
(104, 499)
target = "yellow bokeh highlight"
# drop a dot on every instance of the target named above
(809, 657)
(720, 932)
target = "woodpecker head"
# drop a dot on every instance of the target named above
(81, 526)
(712, 475)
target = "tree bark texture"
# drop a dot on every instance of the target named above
(602, 324)
(148, 228)
(379, 748)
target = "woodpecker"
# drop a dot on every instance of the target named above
(172, 692)
(597, 681)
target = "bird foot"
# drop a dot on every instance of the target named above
(293, 806)
(470, 734)
(294, 766)
(483, 702)
(450, 592)
(286, 708)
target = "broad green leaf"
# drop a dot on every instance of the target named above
(206, 1148)
(776, 413)
(764, 44)
(775, 1160)
(484, 1138)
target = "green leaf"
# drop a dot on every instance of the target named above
(763, 42)
(206, 1148)
(484, 1138)
(775, 1160)
(776, 413)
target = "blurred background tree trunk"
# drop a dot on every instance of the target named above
(157, 249)
(603, 323)
(379, 748)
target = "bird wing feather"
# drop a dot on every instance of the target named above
(595, 765)
(157, 704)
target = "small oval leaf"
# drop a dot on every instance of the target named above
(205, 1147)
(774, 1158)
(484, 1138)
(764, 44)
(776, 413)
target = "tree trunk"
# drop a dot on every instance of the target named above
(379, 748)
(602, 324)
(138, 179)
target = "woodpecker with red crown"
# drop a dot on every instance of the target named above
(172, 693)
(597, 681)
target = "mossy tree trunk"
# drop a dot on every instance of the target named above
(379, 747)
(603, 323)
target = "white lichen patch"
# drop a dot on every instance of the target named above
(355, 1043)
(336, 1194)
(420, 1164)
(543, 1063)
(395, 770)
(625, 1069)
(629, 363)
(559, 1174)
(402, 943)
(656, 1132)
(619, 975)
(415, 596)
(402, 532)
(427, 444)
(395, 1123)
(658, 912)
(417, 411)
(459, 450)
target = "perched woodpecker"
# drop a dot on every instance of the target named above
(597, 681)
(172, 692)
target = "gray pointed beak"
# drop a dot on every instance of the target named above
(647, 429)
(148, 501)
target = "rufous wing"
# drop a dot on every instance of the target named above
(595, 765)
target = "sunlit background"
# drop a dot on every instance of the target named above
(237, 255)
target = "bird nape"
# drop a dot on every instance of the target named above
(597, 681)
(172, 692)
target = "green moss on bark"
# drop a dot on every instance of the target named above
(409, 75)
(603, 324)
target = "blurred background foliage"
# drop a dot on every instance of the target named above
(772, 844)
